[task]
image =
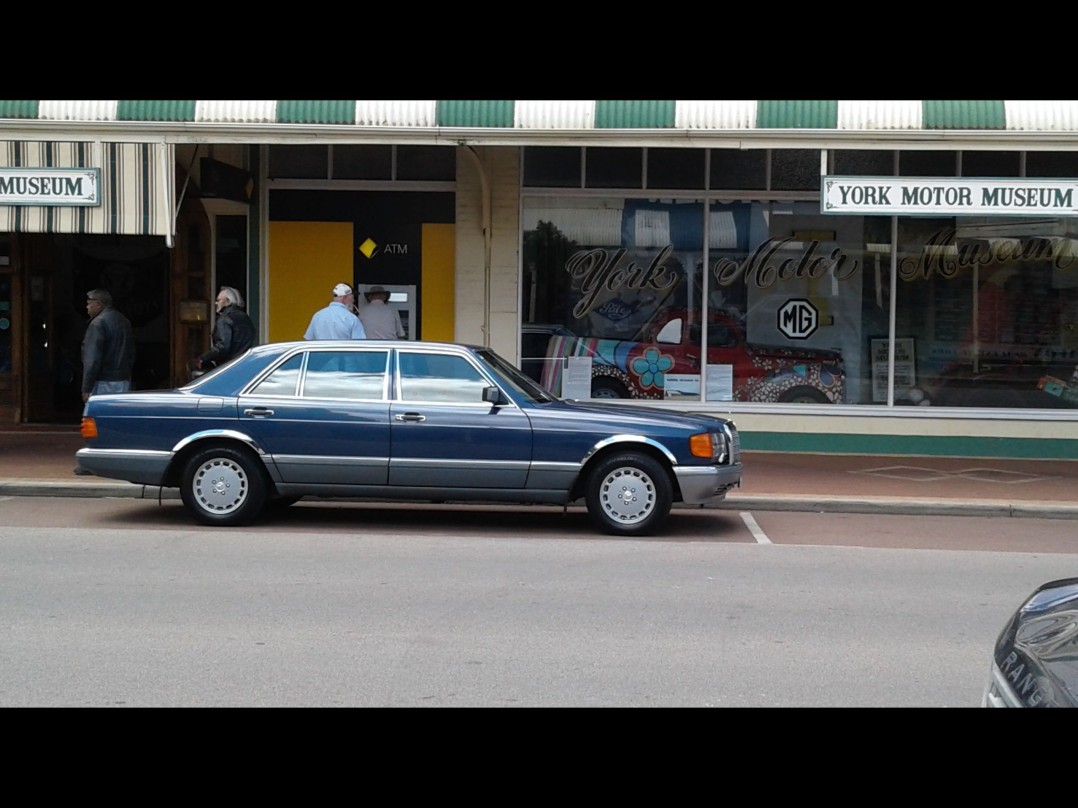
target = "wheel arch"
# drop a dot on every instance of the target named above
(626, 443)
(224, 438)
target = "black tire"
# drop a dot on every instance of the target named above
(629, 494)
(224, 486)
(804, 395)
(605, 387)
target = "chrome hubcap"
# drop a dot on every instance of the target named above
(220, 486)
(627, 495)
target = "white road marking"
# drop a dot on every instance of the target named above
(754, 529)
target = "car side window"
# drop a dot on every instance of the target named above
(283, 380)
(720, 336)
(440, 378)
(345, 374)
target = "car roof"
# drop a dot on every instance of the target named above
(338, 344)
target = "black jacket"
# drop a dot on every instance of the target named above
(108, 349)
(233, 333)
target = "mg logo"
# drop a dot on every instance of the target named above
(798, 319)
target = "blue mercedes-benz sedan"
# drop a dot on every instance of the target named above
(401, 420)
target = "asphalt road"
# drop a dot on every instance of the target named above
(128, 603)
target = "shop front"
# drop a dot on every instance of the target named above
(679, 254)
(784, 288)
(76, 216)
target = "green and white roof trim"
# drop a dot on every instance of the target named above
(848, 115)
(518, 122)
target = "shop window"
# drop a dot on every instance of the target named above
(1052, 164)
(735, 169)
(298, 162)
(990, 308)
(607, 167)
(795, 169)
(552, 166)
(676, 168)
(927, 163)
(863, 163)
(363, 162)
(991, 164)
(427, 163)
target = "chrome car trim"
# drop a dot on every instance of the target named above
(613, 439)
(999, 692)
(132, 453)
(231, 434)
(326, 460)
(445, 463)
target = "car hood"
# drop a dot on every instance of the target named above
(795, 354)
(1037, 652)
(628, 414)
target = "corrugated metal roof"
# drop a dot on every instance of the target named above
(620, 118)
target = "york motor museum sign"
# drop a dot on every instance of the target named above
(935, 196)
(50, 186)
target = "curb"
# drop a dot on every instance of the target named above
(733, 502)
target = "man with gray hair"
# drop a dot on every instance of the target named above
(233, 330)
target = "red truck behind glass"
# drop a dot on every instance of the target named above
(639, 369)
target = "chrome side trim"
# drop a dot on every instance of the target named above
(231, 434)
(627, 439)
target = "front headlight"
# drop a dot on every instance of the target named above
(719, 447)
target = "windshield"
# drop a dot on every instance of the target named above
(522, 384)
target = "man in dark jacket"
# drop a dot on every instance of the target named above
(108, 348)
(233, 332)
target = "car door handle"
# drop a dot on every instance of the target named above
(258, 412)
(410, 416)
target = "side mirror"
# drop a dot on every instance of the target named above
(493, 395)
(670, 333)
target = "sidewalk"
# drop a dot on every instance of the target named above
(39, 460)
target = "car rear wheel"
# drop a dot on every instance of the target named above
(223, 486)
(804, 395)
(629, 495)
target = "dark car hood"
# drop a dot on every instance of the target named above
(628, 414)
(1037, 652)
(795, 354)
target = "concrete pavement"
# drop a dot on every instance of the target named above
(39, 460)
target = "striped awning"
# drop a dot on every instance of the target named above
(531, 121)
(137, 188)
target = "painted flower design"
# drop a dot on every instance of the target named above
(651, 368)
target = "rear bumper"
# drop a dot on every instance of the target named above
(137, 466)
(706, 485)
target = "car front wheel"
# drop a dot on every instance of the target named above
(223, 486)
(629, 495)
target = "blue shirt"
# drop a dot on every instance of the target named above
(335, 321)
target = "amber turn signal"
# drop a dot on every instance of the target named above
(89, 428)
(699, 444)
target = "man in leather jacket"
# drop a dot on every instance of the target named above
(108, 348)
(233, 332)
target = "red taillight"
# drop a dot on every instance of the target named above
(89, 428)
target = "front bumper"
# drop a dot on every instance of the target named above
(706, 485)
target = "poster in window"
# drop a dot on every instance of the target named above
(905, 367)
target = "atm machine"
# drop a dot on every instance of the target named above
(401, 298)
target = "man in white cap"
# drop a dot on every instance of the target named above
(379, 320)
(336, 321)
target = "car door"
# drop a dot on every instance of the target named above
(323, 416)
(444, 435)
